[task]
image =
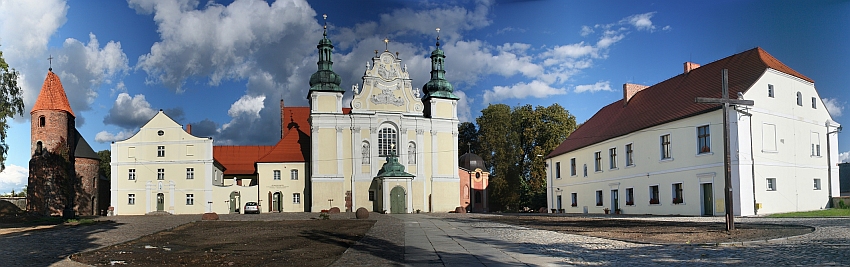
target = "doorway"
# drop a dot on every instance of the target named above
(397, 200)
(615, 200)
(276, 205)
(160, 202)
(707, 200)
(234, 202)
(558, 204)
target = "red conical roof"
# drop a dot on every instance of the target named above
(52, 96)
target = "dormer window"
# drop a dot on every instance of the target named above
(41, 121)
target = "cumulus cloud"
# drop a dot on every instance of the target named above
(844, 156)
(106, 137)
(26, 26)
(14, 176)
(536, 89)
(129, 112)
(834, 106)
(667, 28)
(642, 22)
(586, 30)
(596, 87)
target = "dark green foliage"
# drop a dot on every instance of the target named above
(105, 158)
(11, 103)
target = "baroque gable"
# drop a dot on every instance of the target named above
(386, 87)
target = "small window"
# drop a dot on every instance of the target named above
(585, 170)
(131, 199)
(654, 197)
(612, 157)
(190, 173)
(277, 174)
(630, 196)
(771, 184)
(160, 151)
(678, 197)
(665, 146)
(599, 201)
(597, 162)
(558, 170)
(41, 121)
(630, 161)
(190, 199)
(817, 184)
(293, 175)
(814, 103)
(574, 197)
(371, 195)
(799, 99)
(132, 174)
(770, 90)
(815, 145)
(296, 198)
(160, 133)
(573, 167)
(703, 140)
(160, 174)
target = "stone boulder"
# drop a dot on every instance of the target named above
(460, 210)
(362, 213)
(543, 210)
(333, 210)
(210, 216)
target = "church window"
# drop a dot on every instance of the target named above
(160, 174)
(190, 173)
(41, 121)
(411, 153)
(277, 174)
(160, 151)
(293, 175)
(296, 198)
(387, 138)
(365, 153)
(132, 174)
(190, 199)
(131, 199)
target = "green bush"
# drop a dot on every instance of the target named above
(841, 204)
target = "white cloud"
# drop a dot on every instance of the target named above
(586, 30)
(667, 28)
(106, 137)
(509, 29)
(834, 106)
(14, 176)
(464, 111)
(536, 89)
(247, 106)
(129, 112)
(642, 22)
(844, 156)
(596, 87)
(26, 26)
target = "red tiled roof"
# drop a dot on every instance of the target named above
(295, 145)
(673, 99)
(52, 95)
(239, 159)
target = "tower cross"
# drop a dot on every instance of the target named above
(50, 62)
(387, 44)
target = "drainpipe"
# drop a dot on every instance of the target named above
(829, 162)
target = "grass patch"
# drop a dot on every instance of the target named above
(814, 213)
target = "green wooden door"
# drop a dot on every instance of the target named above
(707, 205)
(397, 200)
(160, 202)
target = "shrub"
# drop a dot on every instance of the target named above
(324, 216)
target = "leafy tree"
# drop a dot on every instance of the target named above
(467, 138)
(11, 103)
(105, 168)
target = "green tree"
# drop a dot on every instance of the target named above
(11, 103)
(105, 168)
(467, 138)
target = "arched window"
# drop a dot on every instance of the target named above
(387, 138)
(799, 99)
(364, 150)
(41, 121)
(411, 153)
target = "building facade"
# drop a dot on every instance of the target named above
(656, 151)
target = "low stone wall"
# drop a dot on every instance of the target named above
(21, 202)
(836, 200)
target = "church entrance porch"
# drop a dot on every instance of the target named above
(397, 200)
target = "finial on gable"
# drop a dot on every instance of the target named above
(386, 44)
(325, 17)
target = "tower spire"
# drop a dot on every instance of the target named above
(438, 86)
(325, 79)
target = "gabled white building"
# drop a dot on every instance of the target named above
(657, 152)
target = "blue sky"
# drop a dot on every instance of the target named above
(223, 66)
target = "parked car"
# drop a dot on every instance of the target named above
(252, 207)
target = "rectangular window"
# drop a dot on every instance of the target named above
(817, 184)
(678, 198)
(703, 140)
(815, 145)
(132, 174)
(574, 197)
(597, 156)
(293, 175)
(630, 196)
(277, 174)
(558, 170)
(599, 198)
(814, 102)
(768, 137)
(160, 174)
(190, 199)
(190, 173)
(585, 170)
(665, 146)
(769, 90)
(612, 157)
(630, 161)
(771, 184)
(654, 198)
(131, 199)
(371, 195)
(573, 167)
(296, 198)
(160, 151)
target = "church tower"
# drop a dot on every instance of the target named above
(325, 95)
(439, 99)
(53, 141)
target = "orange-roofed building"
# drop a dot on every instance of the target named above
(657, 151)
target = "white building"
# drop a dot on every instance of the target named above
(656, 151)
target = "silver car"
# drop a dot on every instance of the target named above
(252, 207)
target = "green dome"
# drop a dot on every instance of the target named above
(325, 79)
(438, 86)
(393, 169)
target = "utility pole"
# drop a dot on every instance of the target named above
(727, 160)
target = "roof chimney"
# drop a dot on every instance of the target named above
(630, 89)
(283, 129)
(689, 66)
(189, 128)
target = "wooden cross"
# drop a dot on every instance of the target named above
(730, 219)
